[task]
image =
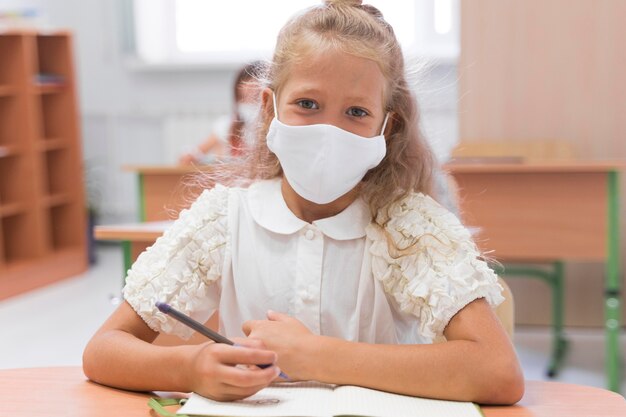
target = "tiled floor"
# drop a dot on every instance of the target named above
(51, 326)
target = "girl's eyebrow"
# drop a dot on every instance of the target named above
(366, 100)
(305, 90)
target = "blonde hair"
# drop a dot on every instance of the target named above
(360, 30)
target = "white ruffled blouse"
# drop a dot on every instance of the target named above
(243, 252)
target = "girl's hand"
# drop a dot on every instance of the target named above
(214, 373)
(289, 338)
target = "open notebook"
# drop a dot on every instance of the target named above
(313, 399)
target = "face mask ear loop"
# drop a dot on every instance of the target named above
(382, 131)
(275, 106)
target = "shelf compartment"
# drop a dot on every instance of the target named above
(12, 191)
(2, 256)
(17, 234)
(53, 55)
(49, 88)
(12, 56)
(57, 200)
(55, 117)
(12, 209)
(12, 120)
(66, 226)
(7, 90)
(59, 172)
(8, 150)
(51, 144)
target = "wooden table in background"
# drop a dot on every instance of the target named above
(165, 190)
(135, 237)
(542, 211)
(62, 392)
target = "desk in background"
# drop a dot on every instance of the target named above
(59, 392)
(135, 237)
(545, 211)
(162, 193)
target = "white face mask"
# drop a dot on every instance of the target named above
(247, 112)
(323, 162)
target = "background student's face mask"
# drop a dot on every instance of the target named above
(323, 162)
(247, 112)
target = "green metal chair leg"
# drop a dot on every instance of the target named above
(560, 345)
(555, 279)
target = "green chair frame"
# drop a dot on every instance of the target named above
(553, 275)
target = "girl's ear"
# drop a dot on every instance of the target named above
(267, 104)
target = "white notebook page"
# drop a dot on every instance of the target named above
(278, 400)
(356, 401)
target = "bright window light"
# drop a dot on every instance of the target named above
(190, 32)
(443, 16)
(201, 27)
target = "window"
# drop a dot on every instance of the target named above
(219, 33)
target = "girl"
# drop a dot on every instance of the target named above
(332, 260)
(228, 136)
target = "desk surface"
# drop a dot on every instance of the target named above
(168, 169)
(560, 166)
(146, 231)
(53, 392)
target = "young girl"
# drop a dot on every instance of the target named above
(229, 137)
(332, 260)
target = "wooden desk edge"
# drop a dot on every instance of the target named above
(131, 232)
(535, 166)
(168, 169)
(58, 388)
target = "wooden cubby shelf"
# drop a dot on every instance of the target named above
(42, 204)
(7, 90)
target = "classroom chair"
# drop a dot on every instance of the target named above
(506, 310)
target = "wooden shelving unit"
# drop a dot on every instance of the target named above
(42, 204)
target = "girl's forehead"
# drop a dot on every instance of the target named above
(335, 71)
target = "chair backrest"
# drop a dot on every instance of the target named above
(506, 310)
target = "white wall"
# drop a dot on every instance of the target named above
(123, 109)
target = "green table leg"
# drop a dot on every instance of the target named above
(141, 199)
(128, 259)
(612, 294)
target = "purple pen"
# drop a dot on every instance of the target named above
(202, 329)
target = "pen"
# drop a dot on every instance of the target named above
(202, 329)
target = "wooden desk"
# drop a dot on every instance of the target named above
(162, 193)
(62, 392)
(135, 237)
(544, 211)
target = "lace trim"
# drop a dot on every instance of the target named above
(433, 269)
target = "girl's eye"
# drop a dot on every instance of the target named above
(308, 104)
(357, 112)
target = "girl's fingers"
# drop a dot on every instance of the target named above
(243, 380)
(249, 342)
(241, 355)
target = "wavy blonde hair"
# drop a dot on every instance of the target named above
(360, 30)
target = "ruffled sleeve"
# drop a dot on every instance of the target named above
(183, 266)
(432, 268)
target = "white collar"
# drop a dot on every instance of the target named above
(269, 210)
